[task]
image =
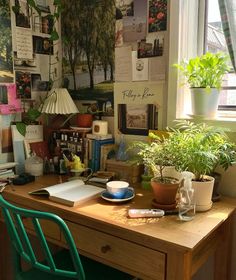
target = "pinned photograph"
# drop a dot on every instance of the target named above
(125, 7)
(157, 19)
(23, 85)
(22, 13)
(151, 46)
(42, 45)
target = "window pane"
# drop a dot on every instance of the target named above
(216, 42)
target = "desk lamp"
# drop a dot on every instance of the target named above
(59, 102)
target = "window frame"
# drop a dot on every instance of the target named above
(179, 50)
(228, 88)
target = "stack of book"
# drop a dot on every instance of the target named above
(6, 173)
(98, 147)
(6, 170)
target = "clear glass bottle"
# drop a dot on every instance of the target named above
(186, 198)
(121, 153)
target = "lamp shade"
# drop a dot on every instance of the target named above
(59, 101)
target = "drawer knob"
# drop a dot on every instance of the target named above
(105, 248)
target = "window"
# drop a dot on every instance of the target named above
(214, 42)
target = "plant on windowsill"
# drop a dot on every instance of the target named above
(33, 113)
(204, 75)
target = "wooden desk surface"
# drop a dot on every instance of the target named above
(184, 245)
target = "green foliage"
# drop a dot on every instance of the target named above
(205, 71)
(197, 148)
(155, 155)
(200, 148)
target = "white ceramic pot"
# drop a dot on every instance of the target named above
(203, 193)
(204, 103)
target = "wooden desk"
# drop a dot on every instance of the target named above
(153, 249)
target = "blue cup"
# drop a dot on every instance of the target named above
(117, 189)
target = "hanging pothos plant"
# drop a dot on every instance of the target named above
(34, 112)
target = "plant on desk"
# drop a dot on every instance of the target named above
(198, 148)
(157, 157)
(201, 148)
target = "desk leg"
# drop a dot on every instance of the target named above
(178, 266)
(5, 254)
(222, 269)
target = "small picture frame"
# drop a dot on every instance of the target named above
(137, 119)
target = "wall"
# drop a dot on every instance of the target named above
(31, 59)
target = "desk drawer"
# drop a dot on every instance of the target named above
(122, 253)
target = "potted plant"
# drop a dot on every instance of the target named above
(200, 148)
(204, 75)
(157, 157)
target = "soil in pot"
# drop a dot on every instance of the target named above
(165, 192)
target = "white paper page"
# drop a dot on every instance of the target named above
(24, 45)
(123, 64)
(76, 194)
(64, 187)
(139, 68)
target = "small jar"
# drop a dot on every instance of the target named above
(34, 165)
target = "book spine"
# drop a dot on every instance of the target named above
(97, 152)
(90, 153)
(105, 150)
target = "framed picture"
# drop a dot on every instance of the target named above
(137, 119)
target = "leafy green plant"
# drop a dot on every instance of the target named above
(198, 148)
(201, 148)
(155, 155)
(205, 71)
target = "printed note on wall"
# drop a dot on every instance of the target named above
(24, 45)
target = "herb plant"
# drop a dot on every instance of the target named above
(205, 71)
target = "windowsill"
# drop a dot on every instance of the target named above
(224, 119)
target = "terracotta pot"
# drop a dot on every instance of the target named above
(84, 120)
(165, 193)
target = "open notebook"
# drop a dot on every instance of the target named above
(69, 193)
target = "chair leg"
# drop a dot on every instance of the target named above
(16, 262)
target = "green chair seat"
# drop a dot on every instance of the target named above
(63, 265)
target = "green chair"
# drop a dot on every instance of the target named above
(66, 264)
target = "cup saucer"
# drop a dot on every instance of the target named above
(128, 196)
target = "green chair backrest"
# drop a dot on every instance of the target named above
(14, 216)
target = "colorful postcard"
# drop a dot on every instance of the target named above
(157, 19)
(23, 84)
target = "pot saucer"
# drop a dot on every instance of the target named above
(155, 204)
(128, 196)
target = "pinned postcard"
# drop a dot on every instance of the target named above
(139, 68)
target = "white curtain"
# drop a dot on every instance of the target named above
(228, 18)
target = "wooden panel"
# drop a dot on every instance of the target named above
(116, 251)
(50, 229)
